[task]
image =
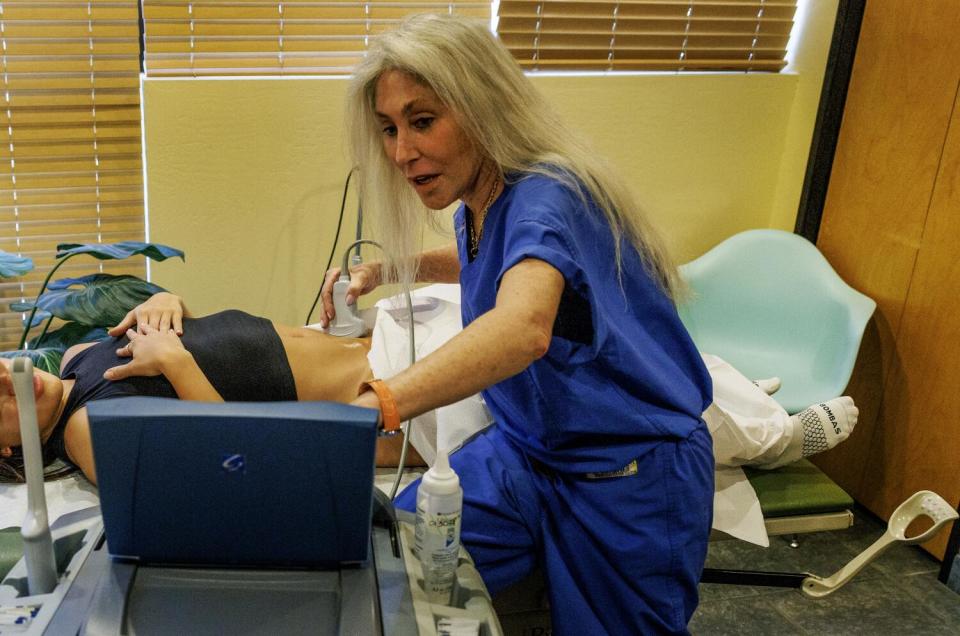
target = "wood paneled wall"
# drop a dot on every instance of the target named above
(891, 228)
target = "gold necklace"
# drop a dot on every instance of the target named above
(476, 233)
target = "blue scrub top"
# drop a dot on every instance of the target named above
(585, 407)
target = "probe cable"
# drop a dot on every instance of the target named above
(333, 250)
(411, 341)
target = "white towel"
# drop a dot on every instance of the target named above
(63, 496)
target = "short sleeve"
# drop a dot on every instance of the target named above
(535, 239)
(539, 240)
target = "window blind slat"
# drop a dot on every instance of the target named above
(80, 29)
(624, 55)
(9, 224)
(334, 64)
(41, 183)
(72, 64)
(45, 134)
(72, 81)
(65, 209)
(632, 40)
(652, 65)
(57, 114)
(37, 46)
(256, 48)
(38, 10)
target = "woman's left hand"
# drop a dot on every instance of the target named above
(153, 353)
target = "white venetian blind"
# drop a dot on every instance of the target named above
(669, 35)
(258, 37)
(70, 161)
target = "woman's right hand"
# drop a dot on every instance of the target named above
(154, 353)
(364, 278)
(162, 311)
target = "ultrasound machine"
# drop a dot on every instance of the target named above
(237, 518)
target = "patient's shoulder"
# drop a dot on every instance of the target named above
(72, 352)
(76, 439)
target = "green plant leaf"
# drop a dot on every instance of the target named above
(123, 249)
(12, 265)
(38, 317)
(46, 359)
(70, 334)
(99, 300)
(24, 307)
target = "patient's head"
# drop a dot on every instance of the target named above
(48, 393)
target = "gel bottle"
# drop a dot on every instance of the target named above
(437, 530)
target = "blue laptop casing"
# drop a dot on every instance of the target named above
(286, 484)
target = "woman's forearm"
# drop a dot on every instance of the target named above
(439, 265)
(478, 357)
(188, 379)
(497, 345)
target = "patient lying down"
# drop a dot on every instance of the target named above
(234, 356)
(230, 356)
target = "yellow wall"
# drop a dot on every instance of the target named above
(246, 175)
(815, 19)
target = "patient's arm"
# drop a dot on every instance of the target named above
(76, 439)
(162, 353)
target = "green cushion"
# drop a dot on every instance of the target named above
(798, 489)
(11, 549)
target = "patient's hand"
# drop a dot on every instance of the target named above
(154, 352)
(162, 312)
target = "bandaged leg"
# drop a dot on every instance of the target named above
(768, 385)
(748, 426)
(817, 428)
(825, 425)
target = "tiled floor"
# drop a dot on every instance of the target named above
(897, 594)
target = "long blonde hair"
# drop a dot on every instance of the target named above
(504, 114)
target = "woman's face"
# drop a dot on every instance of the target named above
(423, 138)
(47, 391)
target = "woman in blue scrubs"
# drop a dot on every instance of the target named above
(599, 468)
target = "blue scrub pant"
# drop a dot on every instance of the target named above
(621, 555)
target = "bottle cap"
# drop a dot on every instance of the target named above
(441, 479)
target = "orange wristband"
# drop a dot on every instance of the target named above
(388, 406)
